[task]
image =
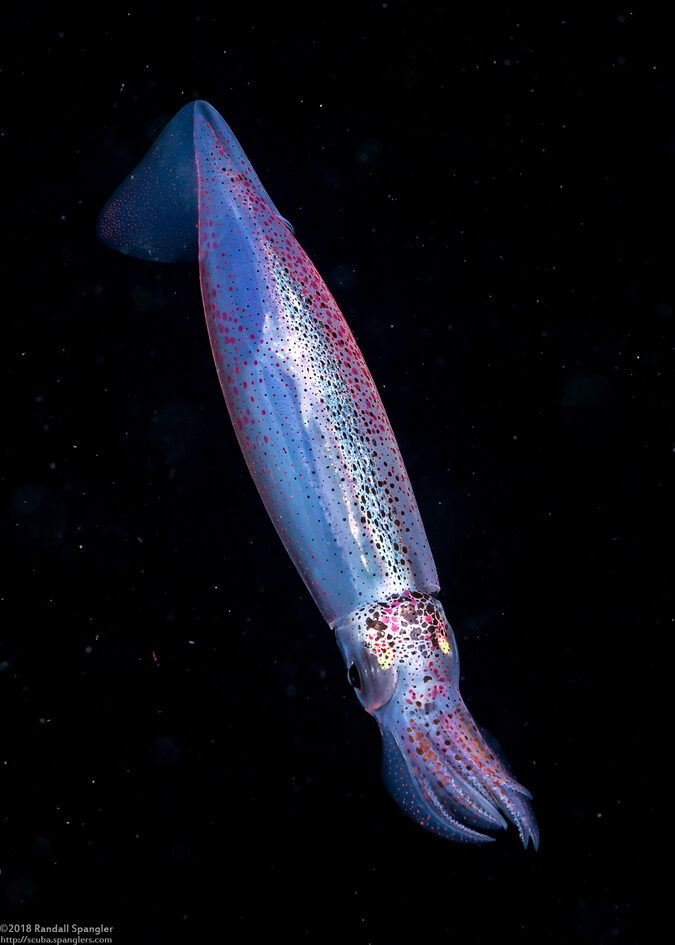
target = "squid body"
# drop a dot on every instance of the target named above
(321, 451)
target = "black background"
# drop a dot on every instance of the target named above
(485, 192)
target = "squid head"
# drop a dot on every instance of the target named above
(403, 663)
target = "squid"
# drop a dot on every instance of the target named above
(321, 451)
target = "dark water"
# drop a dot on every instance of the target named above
(485, 194)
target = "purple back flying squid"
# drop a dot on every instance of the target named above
(319, 446)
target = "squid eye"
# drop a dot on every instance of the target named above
(354, 676)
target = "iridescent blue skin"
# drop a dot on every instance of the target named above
(320, 449)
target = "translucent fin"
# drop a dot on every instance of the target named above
(153, 213)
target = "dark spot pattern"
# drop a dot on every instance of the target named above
(306, 411)
(404, 629)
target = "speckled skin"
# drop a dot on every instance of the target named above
(306, 411)
(319, 446)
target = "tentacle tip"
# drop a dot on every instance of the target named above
(534, 837)
(442, 780)
(529, 833)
